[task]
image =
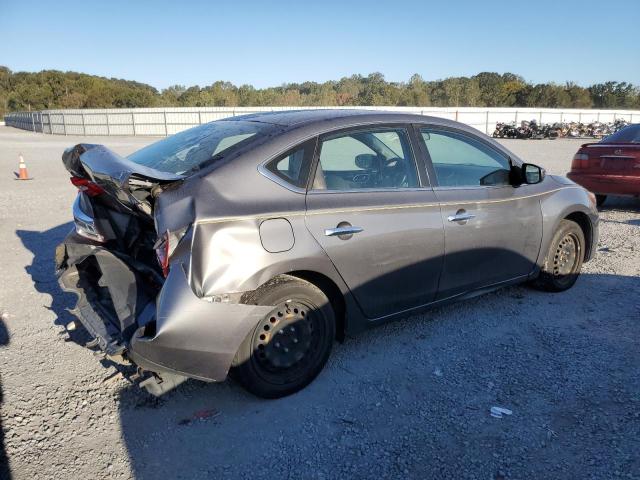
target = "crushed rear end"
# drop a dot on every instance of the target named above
(133, 284)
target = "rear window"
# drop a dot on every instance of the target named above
(630, 134)
(198, 146)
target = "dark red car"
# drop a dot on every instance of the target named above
(611, 166)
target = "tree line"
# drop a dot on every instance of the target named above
(50, 89)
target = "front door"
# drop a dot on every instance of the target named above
(377, 219)
(493, 230)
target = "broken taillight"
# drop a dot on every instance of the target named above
(87, 186)
(162, 252)
(166, 245)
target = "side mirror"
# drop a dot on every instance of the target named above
(531, 173)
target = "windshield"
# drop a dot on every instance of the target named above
(630, 134)
(198, 146)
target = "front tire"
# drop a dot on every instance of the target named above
(563, 261)
(289, 346)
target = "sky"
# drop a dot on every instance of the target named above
(268, 43)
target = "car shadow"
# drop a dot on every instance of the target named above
(42, 271)
(422, 382)
(621, 204)
(632, 222)
(369, 390)
(5, 472)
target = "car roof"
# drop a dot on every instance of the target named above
(297, 118)
(298, 125)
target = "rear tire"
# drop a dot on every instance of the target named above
(563, 261)
(600, 199)
(290, 346)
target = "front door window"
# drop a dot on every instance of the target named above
(461, 161)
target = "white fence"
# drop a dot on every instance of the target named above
(167, 121)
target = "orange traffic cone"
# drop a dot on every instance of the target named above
(22, 174)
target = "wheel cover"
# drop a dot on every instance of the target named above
(566, 256)
(285, 339)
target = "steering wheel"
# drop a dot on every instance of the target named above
(394, 172)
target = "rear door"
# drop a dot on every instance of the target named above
(492, 229)
(374, 213)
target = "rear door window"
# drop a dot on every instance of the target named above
(379, 158)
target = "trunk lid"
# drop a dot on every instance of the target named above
(132, 185)
(614, 159)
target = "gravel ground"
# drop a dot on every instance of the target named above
(407, 400)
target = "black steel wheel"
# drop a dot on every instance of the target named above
(289, 347)
(563, 261)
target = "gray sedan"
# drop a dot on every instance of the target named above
(246, 246)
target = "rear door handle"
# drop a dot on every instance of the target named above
(460, 217)
(337, 231)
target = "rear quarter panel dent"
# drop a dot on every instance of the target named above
(228, 257)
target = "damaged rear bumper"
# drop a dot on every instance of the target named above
(193, 337)
(171, 330)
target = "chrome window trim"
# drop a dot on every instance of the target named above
(474, 187)
(316, 191)
(263, 170)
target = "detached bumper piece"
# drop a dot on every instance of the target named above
(161, 383)
(112, 296)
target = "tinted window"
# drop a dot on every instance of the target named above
(378, 158)
(461, 161)
(630, 134)
(291, 167)
(197, 146)
(339, 154)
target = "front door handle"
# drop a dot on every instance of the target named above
(339, 231)
(460, 216)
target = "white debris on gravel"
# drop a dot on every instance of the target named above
(566, 364)
(499, 412)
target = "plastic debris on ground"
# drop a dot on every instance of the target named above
(498, 412)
